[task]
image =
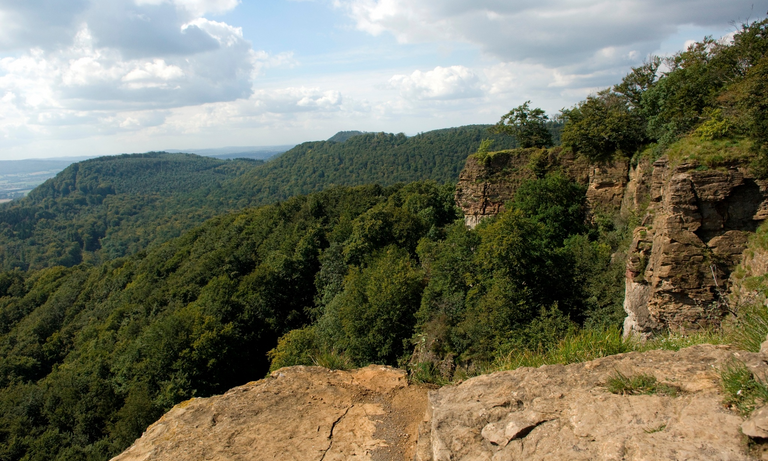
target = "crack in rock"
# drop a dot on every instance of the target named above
(333, 426)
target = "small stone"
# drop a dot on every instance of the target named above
(515, 425)
(757, 424)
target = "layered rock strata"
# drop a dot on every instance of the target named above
(695, 230)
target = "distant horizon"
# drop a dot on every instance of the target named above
(224, 150)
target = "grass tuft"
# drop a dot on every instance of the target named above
(743, 392)
(642, 384)
(748, 329)
(427, 373)
(652, 430)
(332, 360)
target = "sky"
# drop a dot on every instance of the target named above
(103, 77)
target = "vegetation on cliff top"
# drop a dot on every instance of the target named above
(713, 90)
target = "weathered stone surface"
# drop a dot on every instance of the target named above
(637, 192)
(606, 185)
(300, 413)
(757, 424)
(693, 236)
(484, 187)
(552, 412)
(565, 412)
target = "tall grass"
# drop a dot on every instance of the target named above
(748, 329)
(589, 344)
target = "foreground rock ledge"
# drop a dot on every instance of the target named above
(551, 412)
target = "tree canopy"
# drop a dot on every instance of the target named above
(528, 126)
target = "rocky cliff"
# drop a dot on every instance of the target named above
(691, 238)
(487, 182)
(695, 222)
(552, 412)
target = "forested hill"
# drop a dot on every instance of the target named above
(380, 158)
(109, 207)
(113, 206)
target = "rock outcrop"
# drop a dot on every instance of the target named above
(299, 413)
(566, 412)
(486, 184)
(693, 235)
(551, 412)
(695, 224)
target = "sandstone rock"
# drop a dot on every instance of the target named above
(300, 413)
(693, 236)
(552, 412)
(637, 192)
(606, 185)
(565, 412)
(485, 186)
(757, 424)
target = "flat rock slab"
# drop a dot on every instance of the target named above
(299, 413)
(566, 413)
(552, 412)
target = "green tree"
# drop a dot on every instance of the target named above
(528, 126)
(603, 125)
(376, 311)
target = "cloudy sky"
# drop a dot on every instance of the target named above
(97, 77)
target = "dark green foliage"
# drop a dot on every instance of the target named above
(342, 136)
(111, 207)
(557, 202)
(114, 206)
(528, 126)
(603, 125)
(637, 82)
(379, 158)
(712, 83)
(753, 101)
(91, 355)
(375, 311)
(522, 280)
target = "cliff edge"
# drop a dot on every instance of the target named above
(551, 412)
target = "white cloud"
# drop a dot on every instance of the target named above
(155, 74)
(290, 100)
(197, 7)
(441, 83)
(552, 32)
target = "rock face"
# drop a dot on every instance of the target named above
(485, 185)
(695, 230)
(551, 412)
(566, 413)
(696, 222)
(300, 413)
